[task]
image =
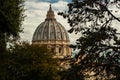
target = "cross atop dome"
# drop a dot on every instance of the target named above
(50, 14)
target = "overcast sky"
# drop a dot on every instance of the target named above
(36, 11)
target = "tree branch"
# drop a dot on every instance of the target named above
(108, 11)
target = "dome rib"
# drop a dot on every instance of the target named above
(48, 30)
(54, 31)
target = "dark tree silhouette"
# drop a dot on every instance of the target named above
(11, 17)
(28, 62)
(99, 43)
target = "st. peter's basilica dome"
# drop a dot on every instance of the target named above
(53, 34)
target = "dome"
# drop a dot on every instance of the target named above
(52, 34)
(50, 29)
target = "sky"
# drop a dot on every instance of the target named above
(36, 11)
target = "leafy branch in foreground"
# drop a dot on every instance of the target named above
(28, 62)
(11, 17)
(99, 43)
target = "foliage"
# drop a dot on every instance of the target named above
(28, 62)
(99, 43)
(73, 73)
(11, 17)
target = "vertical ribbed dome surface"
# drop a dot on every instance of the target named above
(50, 29)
